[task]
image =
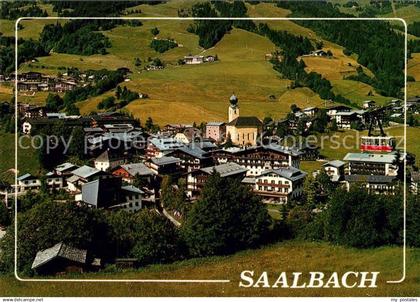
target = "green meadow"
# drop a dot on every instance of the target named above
(288, 256)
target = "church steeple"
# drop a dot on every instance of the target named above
(233, 112)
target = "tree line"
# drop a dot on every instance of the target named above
(379, 47)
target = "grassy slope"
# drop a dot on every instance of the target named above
(26, 158)
(287, 256)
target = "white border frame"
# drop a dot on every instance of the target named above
(193, 19)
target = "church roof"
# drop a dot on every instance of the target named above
(246, 121)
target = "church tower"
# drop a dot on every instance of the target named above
(233, 108)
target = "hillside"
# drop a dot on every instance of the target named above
(196, 93)
(289, 256)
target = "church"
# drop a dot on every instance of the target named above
(242, 130)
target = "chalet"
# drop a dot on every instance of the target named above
(345, 119)
(192, 158)
(81, 176)
(368, 104)
(164, 165)
(192, 60)
(172, 129)
(319, 53)
(27, 182)
(63, 86)
(205, 144)
(216, 131)
(108, 160)
(158, 147)
(335, 169)
(35, 112)
(61, 258)
(333, 110)
(280, 185)
(30, 76)
(128, 172)
(258, 159)
(310, 111)
(54, 181)
(197, 179)
(378, 172)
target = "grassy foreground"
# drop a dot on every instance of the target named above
(291, 256)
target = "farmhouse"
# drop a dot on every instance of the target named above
(27, 182)
(60, 258)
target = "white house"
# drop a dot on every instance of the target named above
(108, 161)
(280, 185)
(27, 182)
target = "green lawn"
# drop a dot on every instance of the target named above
(289, 256)
(27, 158)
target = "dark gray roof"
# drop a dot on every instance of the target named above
(246, 121)
(370, 178)
(165, 160)
(59, 250)
(132, 189)
(290, 173)
(137, 169)
(227, 169)
(193, 151)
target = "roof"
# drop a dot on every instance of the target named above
(166, 143)
(73, 178)
(107, 156)
(193, 151)
(335, 163)
(346, 113)
(25, 176)
(59, 250)
(225, 170)
(64, 167)
(246, 121)
(132, 189)
(290, 173)
(370, 178)
(373, 158)
(309, 109)
(165, 160)
(137, 169)
(215, 123)
(85, 171)
(249, 180)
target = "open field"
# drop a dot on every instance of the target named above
(357, 92)
(200, 92)
(409, 13)
(290, 256)
(27, 158)
(413, 67)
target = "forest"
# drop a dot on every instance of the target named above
(377, 45)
